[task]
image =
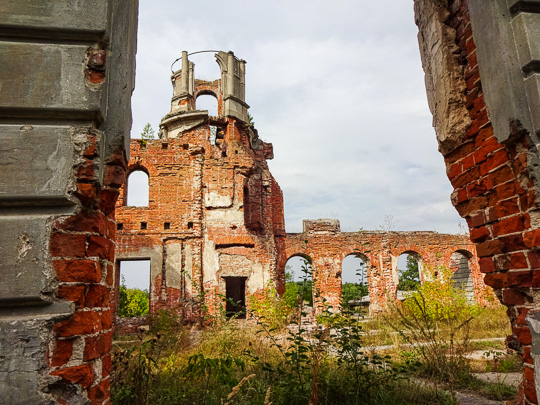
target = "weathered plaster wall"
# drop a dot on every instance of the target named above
(481, 64)
(326, 248)
(66, 81)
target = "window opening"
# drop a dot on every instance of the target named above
(190, 225)
(164, 145)
(207, 102)
(134, 288)
(298, 281)
(235, 293)
(354, 285)
(461, 274)
(143, 225)
(408, 268)
(167, 225)
(138, 189)
(119, 226)
(213, 132)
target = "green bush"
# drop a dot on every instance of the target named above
(353, 291)
(132, 301)
(270, 307)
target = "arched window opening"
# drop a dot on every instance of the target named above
(354, 286)
(461, 273)
(134, 288)
(207, 102)
(409, 273)
(298, 281)
(138, 189)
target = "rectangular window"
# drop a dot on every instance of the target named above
(134, 288)
(235, 293)
(190, 225)
(143, 225)
(120, 226)
(167, 225)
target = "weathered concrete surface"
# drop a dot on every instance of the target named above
(444, 79)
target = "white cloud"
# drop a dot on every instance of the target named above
(336, 87)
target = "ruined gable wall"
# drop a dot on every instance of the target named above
(327, 247)
(224, 208)
(480, 98)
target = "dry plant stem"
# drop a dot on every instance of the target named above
(236, 389)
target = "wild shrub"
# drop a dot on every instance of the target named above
(435, 320)
(270, 306)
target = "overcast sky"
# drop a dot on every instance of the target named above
(337, 87)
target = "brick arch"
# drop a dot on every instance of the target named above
(302, 255)
(419, 260)
(328, 247)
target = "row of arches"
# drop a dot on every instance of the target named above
(354, 276)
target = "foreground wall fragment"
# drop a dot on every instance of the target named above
(65, 88)
(481, 62)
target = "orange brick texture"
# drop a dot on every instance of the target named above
(214, 211)
(495, 193)
(82, 251)
(326, 250)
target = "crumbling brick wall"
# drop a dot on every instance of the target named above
(209, 181)
(326, 247)
(480, 60)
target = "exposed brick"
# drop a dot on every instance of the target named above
(97, 296)
(496, 280)
(99, 246)
(489, 248)
(82, 271)
(82, 323)
(115, 176)
(507, 208)
(62, 352)
(532, 238)
(514, 297)
(73, 293)
(99, 393)
(107, 365)
(97, 346)
(508, 225)
(65, 244)
(520, 279)
(479, 234)
(82, 375)
(528, 385)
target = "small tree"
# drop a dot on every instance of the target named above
(409, 279)
(148, 132)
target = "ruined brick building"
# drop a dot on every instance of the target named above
(65, 122)
(214, 224)
(214, 221)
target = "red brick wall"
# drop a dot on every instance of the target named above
(328, 249)
(82, 251)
